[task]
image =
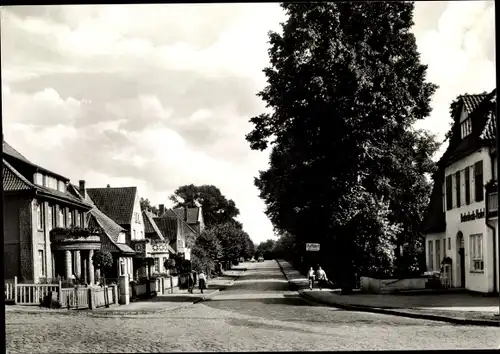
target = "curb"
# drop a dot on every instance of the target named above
(454, 320)
(360, 308)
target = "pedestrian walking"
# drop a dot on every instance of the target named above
(311, 278)
(321, 277)
(202, 280)
(190, 280)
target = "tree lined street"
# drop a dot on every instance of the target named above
(257, 312)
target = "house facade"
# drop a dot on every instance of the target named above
(461, 223)
(121, 205)
(191, 216)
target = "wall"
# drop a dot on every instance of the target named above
(482, 282)
(11, 239)
(138, 227)
(391, 285)
(433, 237)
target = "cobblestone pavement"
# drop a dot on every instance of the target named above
(257, 312)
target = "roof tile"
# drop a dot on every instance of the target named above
(13, 180)
(117, 203)
(150, 227)
(97, 219)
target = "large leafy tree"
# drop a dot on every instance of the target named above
(146, 205)
(217, 209)
(266, 248)
(345, 87)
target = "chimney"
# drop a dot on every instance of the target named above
(185, 213)
(81, 188)
(161, 209)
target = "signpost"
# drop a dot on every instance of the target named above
(312, 247)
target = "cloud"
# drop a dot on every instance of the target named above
(457, 49)
(158, 96)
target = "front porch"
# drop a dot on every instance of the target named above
(72, 251)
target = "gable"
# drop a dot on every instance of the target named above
(117, 203)
(13, 180)
(167, 226)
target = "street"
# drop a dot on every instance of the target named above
(257, 312)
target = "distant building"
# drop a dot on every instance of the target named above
(462, 218)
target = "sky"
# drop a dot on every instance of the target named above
(158, 96)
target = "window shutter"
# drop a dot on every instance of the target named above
(458, 185)
(449, 195)
(478, 177)
(467, 186)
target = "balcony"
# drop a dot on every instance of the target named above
(492, 204)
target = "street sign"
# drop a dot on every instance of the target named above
(312, 246)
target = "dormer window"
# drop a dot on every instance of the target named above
(466, 127)
(38, 179)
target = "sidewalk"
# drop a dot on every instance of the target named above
(158, 304)
(460, 308)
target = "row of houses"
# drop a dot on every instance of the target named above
(461, 224)
(52, 227)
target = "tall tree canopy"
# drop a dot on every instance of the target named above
(345, 87)
(217, 209)
(146, 205)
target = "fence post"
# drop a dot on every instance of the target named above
(115, 294)
(15, 290)
(59, 290)
(91, 299)
(76, 296)
(171, 285)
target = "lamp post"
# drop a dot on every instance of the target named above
(498, 190)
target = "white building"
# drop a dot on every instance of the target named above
(461, 223)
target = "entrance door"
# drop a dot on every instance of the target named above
(461, 253)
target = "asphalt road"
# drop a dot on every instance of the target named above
(258, 312)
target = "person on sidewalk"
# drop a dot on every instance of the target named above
(190, 280)
(310, 276)
(202, 280)
(321, 278)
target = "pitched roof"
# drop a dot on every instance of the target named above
(9, 150)
(167, 226)
(480, 106)
(150, 226)
(117, 203)
(192, 214)
(490, 129)
(13, 180)
(471, 102)
(97, 219)
(173, 213)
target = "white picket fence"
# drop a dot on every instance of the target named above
(77, 297)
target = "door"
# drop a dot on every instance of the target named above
(461, 253)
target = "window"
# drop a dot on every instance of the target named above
(134, 234)
(61, 186)
(449, 195)
(82, 219)
(449, 243)
(466, 127)
(478, 178)
(458, 186)
(77, 221)
(164, 264)
(61, 218)
(41, 261)
(431, 256)
(438, 253)
(467, 186)
(38, 179)
(70, 218)
(51, 182)
(39, 217)
(157, 265)
(476, 252)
